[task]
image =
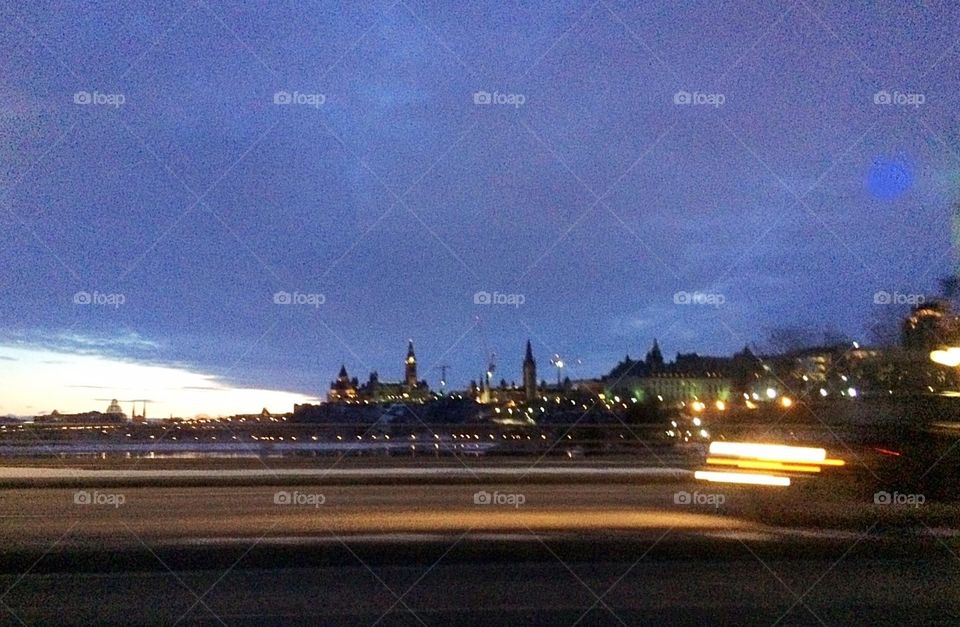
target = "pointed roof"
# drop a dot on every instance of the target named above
(529, 356)
(410, 352)
(655, 356)
(343, 371)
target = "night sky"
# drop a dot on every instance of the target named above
(147, 156)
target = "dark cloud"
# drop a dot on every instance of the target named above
(598, 199)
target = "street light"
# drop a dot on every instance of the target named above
(948, 356)
(558, 362)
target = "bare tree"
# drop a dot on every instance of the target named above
(789, 339)
(795, 338)
(884, 325)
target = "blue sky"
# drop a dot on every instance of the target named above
(397, 198)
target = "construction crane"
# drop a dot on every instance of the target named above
(443, 377)
(488, 377)
(560, 363)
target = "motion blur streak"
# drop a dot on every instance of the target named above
(771, 452)
(741, 477)
(177, 514)
(757, 465)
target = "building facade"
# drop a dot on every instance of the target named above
(345, 389)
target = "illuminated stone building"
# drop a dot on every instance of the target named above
(689, 377)
(348, 390)
(410, 368)
(343, 389)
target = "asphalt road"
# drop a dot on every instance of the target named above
(539, 552)
(539, 580)
(36, 517)
(118, 513)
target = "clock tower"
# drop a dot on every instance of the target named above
(410, 367)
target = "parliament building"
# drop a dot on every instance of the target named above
(345, 389)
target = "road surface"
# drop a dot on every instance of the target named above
(410, 550)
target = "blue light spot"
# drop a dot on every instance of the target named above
(889, 178)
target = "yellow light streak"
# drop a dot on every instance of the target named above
(759, 465)
(741, 477)
(770, 452)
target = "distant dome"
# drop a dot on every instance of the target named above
(114, 408)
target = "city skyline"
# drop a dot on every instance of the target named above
(409, 377)
(239, 201)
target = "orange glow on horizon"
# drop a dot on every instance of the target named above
(39, 380)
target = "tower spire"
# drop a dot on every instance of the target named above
(529, 374)
(410, 367)
(654, 359)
